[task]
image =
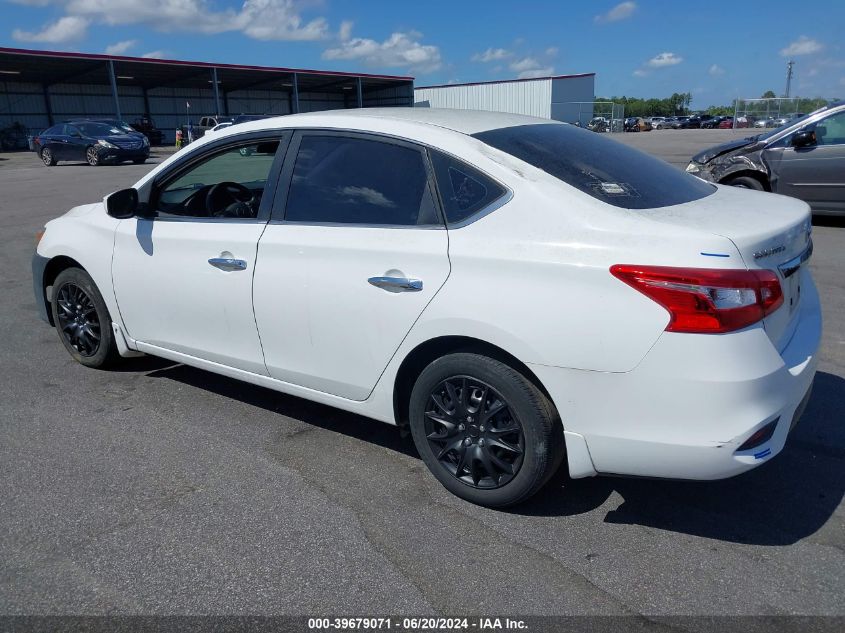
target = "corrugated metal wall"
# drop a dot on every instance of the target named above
(533, 98)
(23, 103)
(546, 98)
(572, 98)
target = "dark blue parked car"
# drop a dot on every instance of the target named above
(90, 141)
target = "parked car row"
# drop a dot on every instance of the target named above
(713, 122)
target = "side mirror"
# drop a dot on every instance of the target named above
(804, 138)
(122, 204)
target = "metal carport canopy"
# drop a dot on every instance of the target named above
(51, 67)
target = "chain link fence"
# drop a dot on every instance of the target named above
(764, 112)
(599, 116)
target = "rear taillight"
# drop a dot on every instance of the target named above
(705, 300)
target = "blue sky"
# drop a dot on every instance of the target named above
(637, 48)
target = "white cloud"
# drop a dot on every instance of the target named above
(491, 54)
(802, 46)
(716, 70)
(621, 11)
(530, 68)
(259, 19)
(67, 29)
(32, 3)
(665, 59)
(551, 51)
(400, 49)
(345, 31)
(533, 73)
(120, 48)
(639, 72)
(155, 55)
(526, 63)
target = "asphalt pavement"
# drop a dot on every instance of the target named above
(162, 489)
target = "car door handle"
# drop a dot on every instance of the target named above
(227, 263)
(396, 284)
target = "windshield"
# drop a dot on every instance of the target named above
(606, 170)
(98, 129)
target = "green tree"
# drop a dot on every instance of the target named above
(769, 95)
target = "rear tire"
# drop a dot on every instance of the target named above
(485, 431)
(47, 157)
(82, 319)
(746, 182)
(139, 161)
(92, 157)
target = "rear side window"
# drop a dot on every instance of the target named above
(352, 180)
(605, 169)
(464, 190)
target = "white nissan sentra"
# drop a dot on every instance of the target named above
(519, 292)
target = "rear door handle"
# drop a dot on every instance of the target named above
(227, 263)
(396, 284)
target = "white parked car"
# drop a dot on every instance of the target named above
(522, 293)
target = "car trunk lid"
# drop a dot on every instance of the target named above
(770, 232)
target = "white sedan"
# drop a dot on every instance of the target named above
(522, 293)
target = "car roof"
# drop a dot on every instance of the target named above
(464, 121)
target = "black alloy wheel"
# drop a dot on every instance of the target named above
(473, 432)
(47, 157)
(78, 319)
(92, 156)
(485, 431)
(82, 319)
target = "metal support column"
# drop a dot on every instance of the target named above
(216, 90)
(360, 92)
(114, 90)
(295, 94)
(47, 105)
(146, 101)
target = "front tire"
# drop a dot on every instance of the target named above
(92, 156)
(82, 319)
(47, 157)
(746, 182)
(486, 432)
(139, 161)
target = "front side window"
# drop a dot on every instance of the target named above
(606, 170)
(350, 180)
(228, 184)
(464, 191)
(831, 131)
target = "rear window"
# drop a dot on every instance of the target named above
(606, 170)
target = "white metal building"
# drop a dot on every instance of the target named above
(562, 97)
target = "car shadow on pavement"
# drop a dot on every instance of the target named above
(312, 413)
(779, 503)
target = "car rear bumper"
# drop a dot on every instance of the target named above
(685, 411)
